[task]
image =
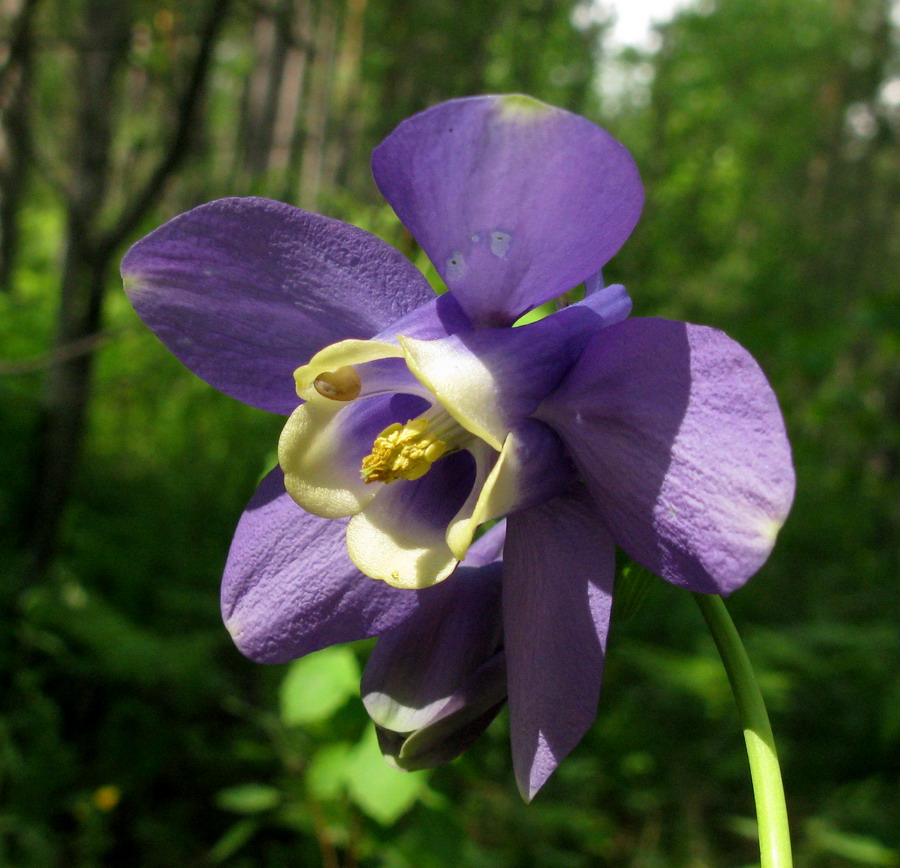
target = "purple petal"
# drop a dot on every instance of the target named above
(514, 201)
(679, 437)
(491, 379)
(243, 291)
(457, 727)
(416, 669)
(558, 570)
(434, 684)
(532, 467)
(487, 548)
(611, 303)
(442, 316)
(289, 587)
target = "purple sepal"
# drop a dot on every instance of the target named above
(558, 572)
(525, 363)
(440, 317)
(289, 587)
(455, 631)
(456, 728)
(430, 706)
(514, 201)
(679, 437)
(243, 291)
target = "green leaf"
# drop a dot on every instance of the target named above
(859, 849)
(232, 841)
(248, 798)
(318, 685)
(383, 793)
(326, 775)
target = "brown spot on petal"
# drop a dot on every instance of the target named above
(340, 385)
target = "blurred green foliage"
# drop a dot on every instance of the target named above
(132, 733)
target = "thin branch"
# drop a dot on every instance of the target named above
(60, 355)
(134, 212)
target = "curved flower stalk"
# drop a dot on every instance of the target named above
(413, 420)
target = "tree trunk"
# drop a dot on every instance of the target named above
(15, 134)
(65, 397)
(102, 50)
(316, 114)
(90, 249)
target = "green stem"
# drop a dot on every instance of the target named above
(768, 791)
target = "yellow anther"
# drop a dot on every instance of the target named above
(340, 385)
(402, 452)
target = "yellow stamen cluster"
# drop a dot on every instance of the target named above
(402, 452)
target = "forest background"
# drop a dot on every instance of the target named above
(131, 731)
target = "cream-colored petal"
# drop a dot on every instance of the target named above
(321, 469)
(493, 495)
(406, 554)
(339, 355)
(412, 554)
(461, 382)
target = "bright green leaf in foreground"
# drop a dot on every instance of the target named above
(326, 775)
(318, 685)
(382, 792)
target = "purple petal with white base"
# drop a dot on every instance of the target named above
(289, 587)
(243, 291)
(558, 570)
(491, 379)
(679, 437)
(456, 727)
(400, 537)
(431, 705)
(514, 201)
(456, 630)
(324, 475)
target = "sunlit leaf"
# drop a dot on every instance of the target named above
(383, 793)
(326, 775)
(318, 685)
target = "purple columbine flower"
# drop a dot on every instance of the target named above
(422, 418)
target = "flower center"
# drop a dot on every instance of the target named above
(408, 451)
(402, 452)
